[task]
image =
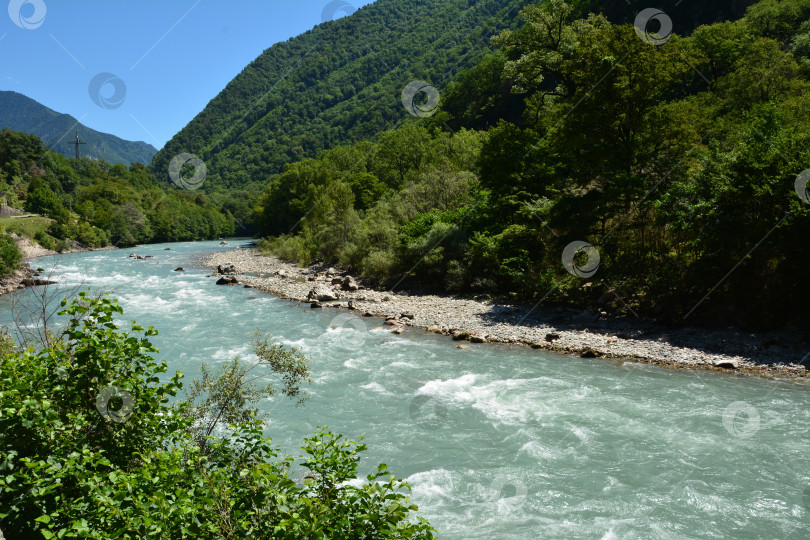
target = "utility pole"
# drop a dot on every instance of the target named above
(77, 143)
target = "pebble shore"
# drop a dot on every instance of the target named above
(476, 321)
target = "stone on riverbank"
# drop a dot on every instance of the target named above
(348, 284)
(322, 293)
(727, 363)
(226, 268)
(36, 282)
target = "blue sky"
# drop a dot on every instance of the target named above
(169, 58)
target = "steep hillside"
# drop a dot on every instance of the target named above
(587, 166)
(338, 83)
(57, 131)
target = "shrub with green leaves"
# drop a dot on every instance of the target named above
(10, 255)
(91, 447)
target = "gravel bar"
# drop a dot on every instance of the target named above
(564, 330)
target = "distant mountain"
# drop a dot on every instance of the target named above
(58, 131)
(339, 83)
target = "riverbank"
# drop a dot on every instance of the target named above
(562, 330)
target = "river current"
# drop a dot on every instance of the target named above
(496, 441)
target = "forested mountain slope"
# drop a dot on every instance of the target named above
(682, 161)
(58, 131)
(338, 83)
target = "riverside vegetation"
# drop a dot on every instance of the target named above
(95, 204)
(140, 466)
(675, 165)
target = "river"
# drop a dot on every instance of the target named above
(496, 441)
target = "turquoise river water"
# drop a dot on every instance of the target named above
(496, 441)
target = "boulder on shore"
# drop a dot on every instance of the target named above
(460, 336)
(36, 282)
(226, 268)
(322, 293)
(727, 363)
(348, 284)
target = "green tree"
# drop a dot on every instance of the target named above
(10, 255)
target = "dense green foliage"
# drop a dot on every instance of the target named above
(99, 204)
(57, 131)
(90, 447)
(673, 160)
(686, 16)
(10, 255)
(336, 84)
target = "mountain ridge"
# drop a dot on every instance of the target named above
(335, 84)
(19, 112)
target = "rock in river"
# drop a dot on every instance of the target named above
(227, 280)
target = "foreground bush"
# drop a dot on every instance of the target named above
(90, 447)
